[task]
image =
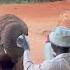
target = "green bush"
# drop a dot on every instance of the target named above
(25, 1)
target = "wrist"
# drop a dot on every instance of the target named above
(27, 50)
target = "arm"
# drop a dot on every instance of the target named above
(27, 63)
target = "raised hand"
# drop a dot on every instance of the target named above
(22, 41)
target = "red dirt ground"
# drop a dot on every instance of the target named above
(39, 18)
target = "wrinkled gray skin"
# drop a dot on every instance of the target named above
(11, 28)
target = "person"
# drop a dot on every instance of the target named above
(64, 20)
(60, 43)
(48, 51)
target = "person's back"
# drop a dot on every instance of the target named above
(60, 62)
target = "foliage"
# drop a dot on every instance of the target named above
(25, 1)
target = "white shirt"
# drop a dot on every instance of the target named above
(60, 62)
(48, 51)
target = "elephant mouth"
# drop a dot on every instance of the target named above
(6, 63)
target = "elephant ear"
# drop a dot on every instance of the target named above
(12, 27)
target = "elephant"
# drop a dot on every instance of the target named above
(11, 56)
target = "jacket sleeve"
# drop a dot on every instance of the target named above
(28, 64)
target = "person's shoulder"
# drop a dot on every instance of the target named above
(58, 59)
(50, 65)
(54, 64)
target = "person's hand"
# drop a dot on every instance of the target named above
(22, 41)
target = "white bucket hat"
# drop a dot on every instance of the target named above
(60, 36)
